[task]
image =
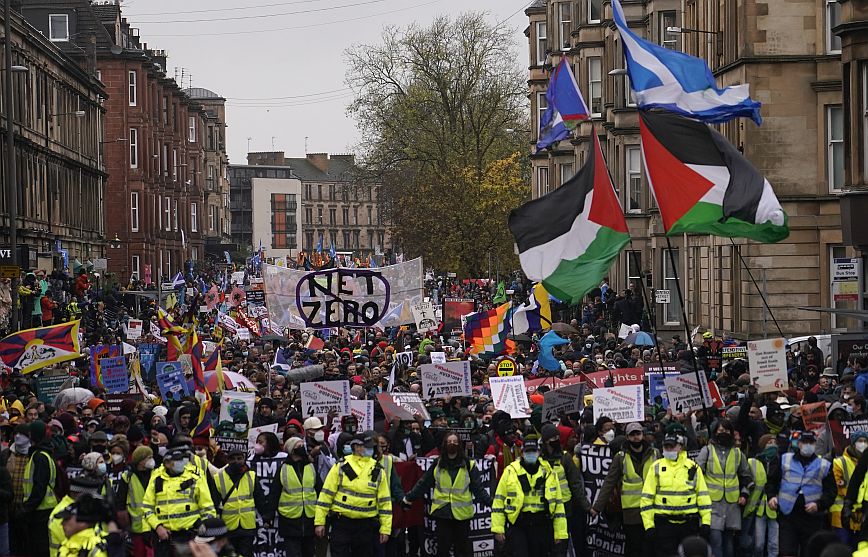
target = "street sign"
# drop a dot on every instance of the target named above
(10, 271)
(100, 264)
(662, 296)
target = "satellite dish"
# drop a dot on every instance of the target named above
(115, 49)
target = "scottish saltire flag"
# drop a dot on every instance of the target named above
(535, 314)
(32, 349)
(178, 281)
(566, 106)
(332, 253)
(319, 244)
(487, 332)
(678, 82)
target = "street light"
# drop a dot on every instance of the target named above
(115, 242)
(16, 69)
(689, 30)
(618, 71)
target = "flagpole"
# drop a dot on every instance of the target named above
(686, 328)
(646, 303)
(758, 289)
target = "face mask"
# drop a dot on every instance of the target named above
(22, 443)
(609, 435)
(202, 452)
(555, 445)
(117, 458)
(319, 436)
(179, 465)
(531, 457)
(348, 450)
(161, 450)
(235, 468)
(98, 449)
(807, 450)
(215, 548)
(240, 428)
(861, 446)
(150, 464)
(725, 439)
(636, 444)
(369, 451)
(258, 448)
(671, 455)
(101, 468)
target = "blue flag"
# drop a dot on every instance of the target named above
(678, 82)
(319, 244)
(332, 253)
(546, 345)
(565, 106)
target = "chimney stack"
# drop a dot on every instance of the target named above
(319, 160)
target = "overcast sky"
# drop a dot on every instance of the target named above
(297, 56)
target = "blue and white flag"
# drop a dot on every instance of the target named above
(178, 281)
(678, 82)
(565, 106)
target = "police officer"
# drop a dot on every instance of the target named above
(236, 498)
(575, 498)
(131, 492)
(528, 498)
(456, 483)
(85, 531)
(176, 499)
(802, 488)
(40, 483)
(675, 502)
(356, 496)
(294, 498)
(628, 470)
(729, 482)
(77, 487)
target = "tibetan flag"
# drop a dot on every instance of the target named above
(487, 332)
(568, 238)
(565, 106)
(203, 423)
(703, 185)
(535, 314)
(32, 349)
(669, 79)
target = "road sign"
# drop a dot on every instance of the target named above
(10, 271)
(662, 296)
(506, 367)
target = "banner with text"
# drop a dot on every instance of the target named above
(563, 401)
(602, 539)
(449, 379)
(621, 404)
(322, 397)
(509, 395)
(767, 360)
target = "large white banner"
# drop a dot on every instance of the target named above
(342, 297)
(621, 404)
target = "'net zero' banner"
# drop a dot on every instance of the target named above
(341, 297)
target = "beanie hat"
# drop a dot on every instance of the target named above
(88, 462)
(37, 432)
(141, 453)
(68, 422)
(94, 403)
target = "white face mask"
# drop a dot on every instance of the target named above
(609, 435)
(161, 450)
(319, 436)
(150, 464)
(861, 446)
(671, 455)
(117, 458)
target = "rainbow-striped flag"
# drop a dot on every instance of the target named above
(487, 332)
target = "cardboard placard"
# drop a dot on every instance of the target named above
(566, 400)
(423, 314)
(363, 410)
(404, 359)
(135, 327)
(50, 383)
(509, 395)
(114, 401)
(243, 333)
(170, 380)
(684, 392)
(438, 357)
(767, 360)
(255, 432)
(449, 379)
(621, 404)
(114, 375)
(814, 416)
(322, 397)
(403, 406)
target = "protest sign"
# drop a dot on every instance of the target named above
(713, 358)
(255, 297)
(237, 277)
(619, 377)
(814, 416)
(767, 360)
(363, 410)
(170, 380)
(155, 332)
(733, 352)
(624, 331)
(255, 432)
(404, 359)
(404, 406)
(509, 395)
(481, 538)
(243, 333)
(506, 367)
(148, 354)
(114, 402)
(134, 329)
(227, 323)
(601, 537)
(454, 309)
(344, 297)
(438, 357)
(268, 542)
(651, 369)
(566, 400)
(115, 377)
(320, 398)
(657, 387)
(96, 354)
(49, 384)
(621, 404)
(235, 406)
(423, 314)
(449, 379)
(684, 392)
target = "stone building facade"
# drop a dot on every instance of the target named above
(788, 53)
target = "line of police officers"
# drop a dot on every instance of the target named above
(663, 499)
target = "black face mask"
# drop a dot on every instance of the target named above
(555, 445)
(637, 444)
(725, 439)
(235, 468)
(300, 452)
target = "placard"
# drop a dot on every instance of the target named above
(506, 367)
(733, 352)
(135, 327)
(320, 398)
(566, 400)
(237, 277)
(170, 380)
(438, 357)
(454, 309)
(113, 402)
(404, 359)
(148, 355)
(449, 379)
(50, 383)
(255, 432)
(423, 314)
(767, 360)
(115, 377)
(684, 392)
(621, 404)
(235, 404)
(363, 410)
(404, 406)
(243, 333)
(268, 542)
(657, 387)
(606, 540)
(508, 394)
(814, 416)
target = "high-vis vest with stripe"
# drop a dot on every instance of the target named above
(49, 500)
(519, 492)
(356, 488)
(675, 488)
(239, 510)
(847, 466)
(631, 482)
(796, 479)
(561, 474)
(723, 482)
(90, 542)
(758, 501)
(135, 496)
(454, 493)
(56, 535)
(297, 497)
(177, 502)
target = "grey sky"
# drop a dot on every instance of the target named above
(305, 62)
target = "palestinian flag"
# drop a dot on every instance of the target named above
(568, 238)
(703, 185)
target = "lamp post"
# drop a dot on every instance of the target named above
(11, 175)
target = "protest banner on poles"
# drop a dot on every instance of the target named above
(602, 539)
(404, 406)
(481, 538)
(685, 393)
(320, 398)
(509, 395)
(566, 400)
(767, 360)
(449, 379)
(621, 404)
(115, 377)
(618, 377)
(170, 380)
